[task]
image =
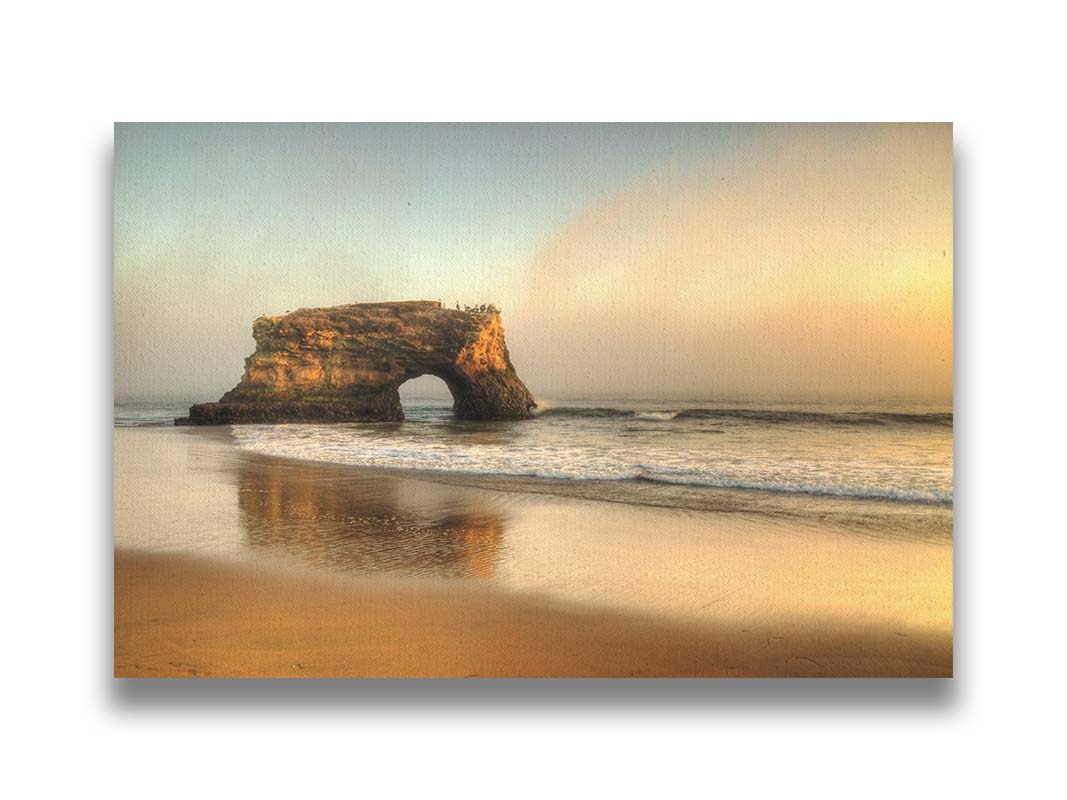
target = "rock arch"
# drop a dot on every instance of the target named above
(347, 363)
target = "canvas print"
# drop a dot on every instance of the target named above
(533, 400)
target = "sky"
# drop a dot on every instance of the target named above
(704, 261)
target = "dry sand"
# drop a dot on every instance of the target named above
(182, 616)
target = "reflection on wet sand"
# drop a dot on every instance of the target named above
(331, 518)
(189, 491)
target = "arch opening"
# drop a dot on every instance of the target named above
(426, 395)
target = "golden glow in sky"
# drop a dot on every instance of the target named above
(689, 260)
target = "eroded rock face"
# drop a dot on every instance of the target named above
(347, 363)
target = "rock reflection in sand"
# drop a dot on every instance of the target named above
(331, 518)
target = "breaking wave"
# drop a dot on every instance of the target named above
(769, 416)
(571, 456)
(886, 454)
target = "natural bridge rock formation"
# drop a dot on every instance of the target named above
(347, 363)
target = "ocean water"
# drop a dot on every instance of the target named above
(854, 460)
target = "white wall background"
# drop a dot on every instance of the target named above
(69, 70)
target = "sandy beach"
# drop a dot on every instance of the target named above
(233, 564)
(179, 616)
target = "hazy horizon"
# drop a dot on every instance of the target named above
(629, 260)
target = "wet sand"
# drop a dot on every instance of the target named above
(233, 564)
